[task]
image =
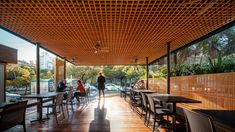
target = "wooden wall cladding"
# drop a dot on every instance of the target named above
(8, 55)
(158, 85)
(58, 71)
(216, 91)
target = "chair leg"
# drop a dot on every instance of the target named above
(63, 111)
(24, 127)
(148, 120)
(145, 117)
(56, 118)
(55, 114)
(67, 109)
(142, 112)
(173, 123)
(47, 111)
(154, 122)
(72, 105)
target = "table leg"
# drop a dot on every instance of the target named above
(173, 118)
(53, 109)
(39, 111)
(40, 108)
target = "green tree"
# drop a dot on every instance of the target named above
(134, 73)
(32, 71)
(46, 74)
(85, 73)
(17, 77)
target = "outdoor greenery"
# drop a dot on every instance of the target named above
(46, 74)
(157, 71)
(85, 73)
(113, 74)
(218, 65)
(213, 55)
(19, 76)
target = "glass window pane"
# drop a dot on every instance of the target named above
(47, 61)
(20, 77)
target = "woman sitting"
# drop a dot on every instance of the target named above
(80, 90)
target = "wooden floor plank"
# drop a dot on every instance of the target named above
(105, 115)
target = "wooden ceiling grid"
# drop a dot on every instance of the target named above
(128, 28)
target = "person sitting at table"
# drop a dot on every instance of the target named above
(61, 86)
(80, 90)
(142, 85)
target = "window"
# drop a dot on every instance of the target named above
(20, 76)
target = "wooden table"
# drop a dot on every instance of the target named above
(144, 90)
(2, 104)
(173, 99)
(40, 99)
(137, 92)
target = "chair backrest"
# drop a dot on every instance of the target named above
(69, 97)
(144, 101)
(88, 91)
(132, 95)
(59, 98)
(12, 115)
(151, 102)
(197, 122)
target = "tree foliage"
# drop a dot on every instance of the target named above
(113, 74)
(17, 76)
(84, 73)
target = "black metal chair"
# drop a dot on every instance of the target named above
(157, 111)
(69, 101)
(12, 115)
(145, 106)
(197, 122)
(54, 106)
(135, 100)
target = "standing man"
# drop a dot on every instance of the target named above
(101, 86)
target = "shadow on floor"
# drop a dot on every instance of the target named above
(100, 123)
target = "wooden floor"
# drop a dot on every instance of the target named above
(108, 114)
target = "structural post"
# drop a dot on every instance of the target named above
(38, 67)
(64, 68)
(147, 73)
(168, 67)
(2, 82)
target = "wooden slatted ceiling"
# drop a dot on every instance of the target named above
(129, 29)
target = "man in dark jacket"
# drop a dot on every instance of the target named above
(101, 86)
(61, 86)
